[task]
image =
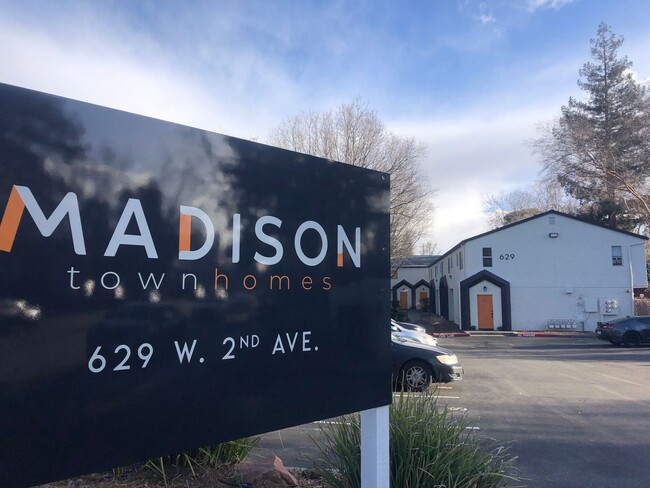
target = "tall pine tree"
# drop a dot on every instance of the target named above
(599, 148)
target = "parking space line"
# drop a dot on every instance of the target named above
(618, 379)
(612, 392)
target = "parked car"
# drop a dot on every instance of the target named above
(413, 335)
(629, 332)
(416, 366)
(409, 326)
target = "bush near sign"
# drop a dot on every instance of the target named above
(165, 288)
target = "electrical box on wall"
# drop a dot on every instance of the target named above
(608, 306)
(591, 304)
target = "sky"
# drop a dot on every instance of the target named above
(471, 80)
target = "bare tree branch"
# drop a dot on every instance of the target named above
(354, 134)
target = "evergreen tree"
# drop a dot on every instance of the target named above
(599, 148)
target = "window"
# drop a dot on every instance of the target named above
(617, 256)
(487, 257)
(460, 259)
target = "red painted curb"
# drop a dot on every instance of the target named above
(536, 334)
(450, 334)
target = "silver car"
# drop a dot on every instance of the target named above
(419, 336)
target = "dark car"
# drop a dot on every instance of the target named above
(629, 332)
(416, 366)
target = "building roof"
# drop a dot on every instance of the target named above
(420, 261)
(543, 214)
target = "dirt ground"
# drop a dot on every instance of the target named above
(137, 477)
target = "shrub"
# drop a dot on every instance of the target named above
(206, 457)
(642, 306)
(429, 447)
(397, 313)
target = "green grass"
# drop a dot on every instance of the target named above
(429, 447)
(206, 457)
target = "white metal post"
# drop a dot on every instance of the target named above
(629, 258)
(375, 457)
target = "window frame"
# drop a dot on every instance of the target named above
(617, 259)
(487, 257)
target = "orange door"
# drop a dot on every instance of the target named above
(404, 300)
(485, 312)
(424, 297)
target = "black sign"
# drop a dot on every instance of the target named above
(165, 288)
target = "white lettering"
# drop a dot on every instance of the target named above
(209, 234)
(193, 276)
(310, 224)
(152, 278)
(236, 239)
(278, 347)
(271, 241)
(292, 343)
(133, 208)
(117, 280)
(72, 272)
(184, 352)
(342, 239)
(69, 206)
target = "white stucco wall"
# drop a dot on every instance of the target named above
(412, 275)
(533, 308)
(554, 278)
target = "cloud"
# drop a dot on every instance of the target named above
(233, 72)
(485, 15)
(459, 215)
(472, 155)
(486, 19)
(534, 5)
(123, 69)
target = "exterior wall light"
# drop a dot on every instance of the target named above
(485, 288)
(553, 235)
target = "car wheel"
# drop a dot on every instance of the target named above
(416, 376)
(631, 339)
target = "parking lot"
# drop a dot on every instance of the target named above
(575, 408)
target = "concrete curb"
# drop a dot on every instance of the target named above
(512, 334)
(536, 334)
(553, 334)
(450, 334)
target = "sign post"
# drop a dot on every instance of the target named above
(375, 455)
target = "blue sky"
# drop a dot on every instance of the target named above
(469, 79)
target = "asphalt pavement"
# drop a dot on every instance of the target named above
(575, 409)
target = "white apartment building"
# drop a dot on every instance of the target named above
(550, 271)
